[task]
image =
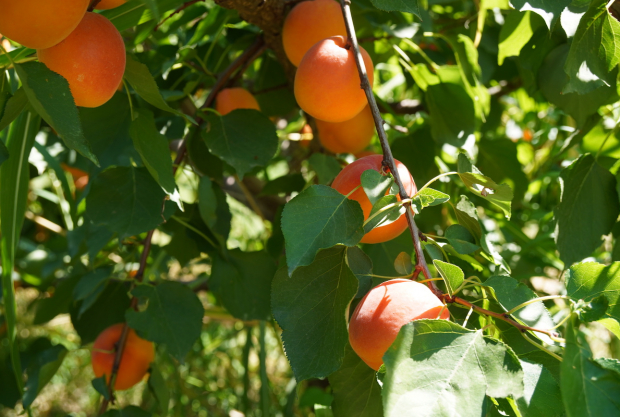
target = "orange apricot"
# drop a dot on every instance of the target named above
(109, 4)
(135, 362)
(308, 23)
(92, 59)
(306, 136)
(327, 84)
(230, 99)
(377, 319)
(40, 24)
(365, 152)
(350, 136)
(349, 178)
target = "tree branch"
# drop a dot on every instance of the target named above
(388, 159)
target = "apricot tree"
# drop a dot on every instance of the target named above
(309, 208)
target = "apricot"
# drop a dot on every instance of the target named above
(327, 84)
(350, 136)
(306, 136)
(349, 178)
(377, 319)
(230, 99)
(135, 362)
(308, 23)
(40, 24)
(109, 4)
(91, 58)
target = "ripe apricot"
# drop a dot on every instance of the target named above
(91, 58)
(136, 360)
(327, 84)
(349, 178)
(350, 136)
(377, 319)
(109, 4)
(309, 22)
(40, 24)
(230, 99)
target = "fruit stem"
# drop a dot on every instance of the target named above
(388, 159)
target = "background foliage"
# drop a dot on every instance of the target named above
(527, 92)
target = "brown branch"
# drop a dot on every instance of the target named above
(501, 316)
(388, 159)
(250, 54)
(92, 5)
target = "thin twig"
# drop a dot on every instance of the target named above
(178, 10)
(388, 159)
(250, 53)
(501, 316)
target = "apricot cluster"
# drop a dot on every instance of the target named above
(327, 83)
(135, 362)
(85, 48)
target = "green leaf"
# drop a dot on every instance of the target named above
(382, 254)
(325, 166)
(107, 130)
(549, 10)
(592, 310)
(310, 307)
(610, 364)
(541, 392)
(588, 389)
(498, 160)
(49, 94)
(101, 386)
(14, 179)
(552, 79)
(242, 282)
(126, 200)
(138, 75)
(511, 293)
(468, 217)
(207, 202)
(173, 316)
(461, 239)
(595, 50)
(135, 12)
(499, 195)
(437, 368)
(109, 309)
(403, 264)
(153, 7)
(452, 275)
(13, 108)
(585, 185)
(130, 411)
(243, 138)
(356, 390)
(361, 265)
(588, 280)
(375, 185)
(428, 197)
(452, 108)
(154, 149)
(407, 150)
(41, 370)
(516, 33)
(157, 385)
(377, 217)
(407, 6)
(319, 217)
(90, 287)
(286, 184)
(612, 325)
